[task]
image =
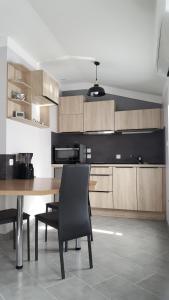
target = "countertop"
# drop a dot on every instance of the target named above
(119, 165)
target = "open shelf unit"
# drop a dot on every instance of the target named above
(19, 81)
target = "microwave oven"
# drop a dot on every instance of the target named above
(70, 155)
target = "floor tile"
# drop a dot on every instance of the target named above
(74, 288)
(157, 284)
(120, 289)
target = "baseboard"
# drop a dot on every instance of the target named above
(129, 214)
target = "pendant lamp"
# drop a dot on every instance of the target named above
(96, 90)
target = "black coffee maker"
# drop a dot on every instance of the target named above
(24, 167)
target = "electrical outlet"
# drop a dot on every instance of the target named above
(118, 156)
(11, 162)
(89, 150)
(89, 156)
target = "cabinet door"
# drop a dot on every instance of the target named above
(50, 88)
(150, 189)
(101, 170)
(150, 118)
(46, 85)
(101, 200)
(126, 120)
(124, 188)
(138, 119)
(103, 183)
(71, 105)
(70, 123)
(99, 116)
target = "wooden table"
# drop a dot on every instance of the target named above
(28, 187)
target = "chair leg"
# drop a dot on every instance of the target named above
(61, 259)
(46, 227)
(36, 238)
(90, 251)
(28, 239)
(66, 246)
(14, 236)
(91, 229)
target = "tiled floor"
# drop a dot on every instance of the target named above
(131, 262)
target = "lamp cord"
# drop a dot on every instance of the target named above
(96, 73)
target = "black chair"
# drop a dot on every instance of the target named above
(72, 219)
(10, 216)
(54, 206)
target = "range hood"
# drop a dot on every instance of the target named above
(100, 132)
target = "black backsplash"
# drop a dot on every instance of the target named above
(151, 146)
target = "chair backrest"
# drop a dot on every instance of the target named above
(73, 208)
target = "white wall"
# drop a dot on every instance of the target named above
(25, 138)
(17, 137)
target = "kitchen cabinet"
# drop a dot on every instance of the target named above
(70, 123)
(44, 88)
(150, 189)
(124, 188)
(102, 196)
(71, 105)
(99, 116)
(103, 183)
(102, 200)
(71, 114)
(138, 119)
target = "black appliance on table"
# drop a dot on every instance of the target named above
(23, 167)
(69, 154)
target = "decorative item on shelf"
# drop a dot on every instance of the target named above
(38, 122)
(18, 96)
(96, 90)
(19, 114)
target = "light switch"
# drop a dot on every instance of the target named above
(118, 156)
(89, 156)
(89, 150)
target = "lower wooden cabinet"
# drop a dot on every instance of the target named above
(124, 188)
(150, 189)
(103, 183)
(101, 200)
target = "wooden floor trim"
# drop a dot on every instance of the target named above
(129, 214)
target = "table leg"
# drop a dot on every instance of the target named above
(19, 242)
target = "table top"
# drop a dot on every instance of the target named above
(36, 186)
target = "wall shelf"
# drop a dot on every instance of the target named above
(28, 122)
(20, 81)
(19, 101)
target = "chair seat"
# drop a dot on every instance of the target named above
(50, 218)
(53, 205)
(10, 215)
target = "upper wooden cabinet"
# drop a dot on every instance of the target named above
(124, 188)
(44, 88)
(70, 123)
(138, 119)
(150, 189)
(99, 116)
(71, 114)
(71, 105)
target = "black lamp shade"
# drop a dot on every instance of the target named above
(96, 91)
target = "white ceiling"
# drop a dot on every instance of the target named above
(121, 34)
